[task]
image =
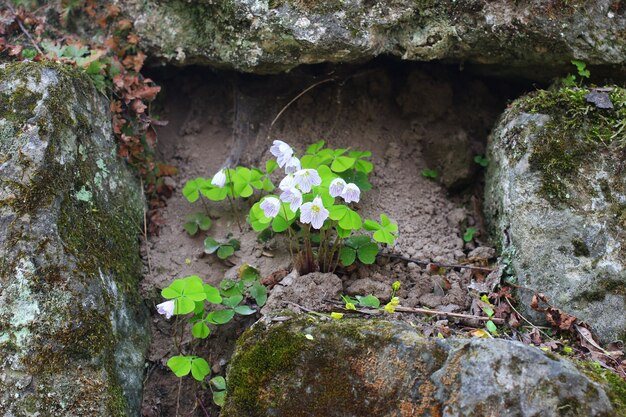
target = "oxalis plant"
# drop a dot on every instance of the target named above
(314, 204)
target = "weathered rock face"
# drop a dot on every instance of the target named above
(556, 199)
(72, 328)
(276, 35)
(381, 368)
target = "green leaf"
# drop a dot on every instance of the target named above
(219, 383)
(367, 253)
(200, 369)
(488, 311)
(191, 228)
(200, 330)
(384, 236)
(258, 291)
(369, 301)
(192, 188)
(343, 233)
(183, 305)
(364, 166)
(371, 225)
(481, 160)
(357, 241)
(180, 365)
(347, 255)
(491, 327)
(351, 220)
(219, 398)
(270, 166)
(211, 245)
(232, 301)
(194, 288)
(215, 193)
(468, 236)
(212, 294)
(387, 224)
(581, 67)
(268, 185)
(244, 310)
(337, 212)
(29, 53)
(220, 316)
(315, 148)
(342, 163)
(249, 273)
(225, 251)
(429, 173)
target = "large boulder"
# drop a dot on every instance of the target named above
(73, 329)
(379, 368)
(275, 35)
(556, 201)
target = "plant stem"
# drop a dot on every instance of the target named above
(232, 205)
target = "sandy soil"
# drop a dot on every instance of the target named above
(411, 117)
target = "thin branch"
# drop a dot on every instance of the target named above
(430, 312)
(439, 264)
(23, 29)
(526, 320)
(206, 413)
(280, 113)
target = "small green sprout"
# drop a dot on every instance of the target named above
(223, 249)
(581, 67)
(182, 365)
(489, 311)
(468, 236)
(429, 173)
(195, 222)
(219, 394)
(481, 160)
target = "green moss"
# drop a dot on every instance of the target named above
(575, 133)
(615, 387)
(270, 369)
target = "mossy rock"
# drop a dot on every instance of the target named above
(269, 36)
(73, 330)
(556, 198)
(354, 367)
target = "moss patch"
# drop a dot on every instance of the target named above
(615, 387)
(576, 132)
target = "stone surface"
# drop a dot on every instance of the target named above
(379, 368)
(72, 327)
(556, 201)
(275, 35)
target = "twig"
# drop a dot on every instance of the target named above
(23, 29)
(280, 113)
(308, 310)
(427, 311)
(180, 381)
(202, 406)
(526, 320)
(439, 264)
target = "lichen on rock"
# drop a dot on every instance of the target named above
(73, 330)
(349, 367)
(269, 36)
(556, 198)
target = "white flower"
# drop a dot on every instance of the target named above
(282, 152)
(314, 213)
(293, 196)
(270, 207)
(292, 165)
(336, 187)
(351, 193)
(307, 179)
(219, 179)
(288, 182)
(166, 308)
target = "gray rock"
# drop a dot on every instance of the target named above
(556, 202)
(73, 330)
(355, 367)
(275, 35)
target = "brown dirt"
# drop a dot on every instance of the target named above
(410, 116)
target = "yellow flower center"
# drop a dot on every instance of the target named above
(315, 209)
